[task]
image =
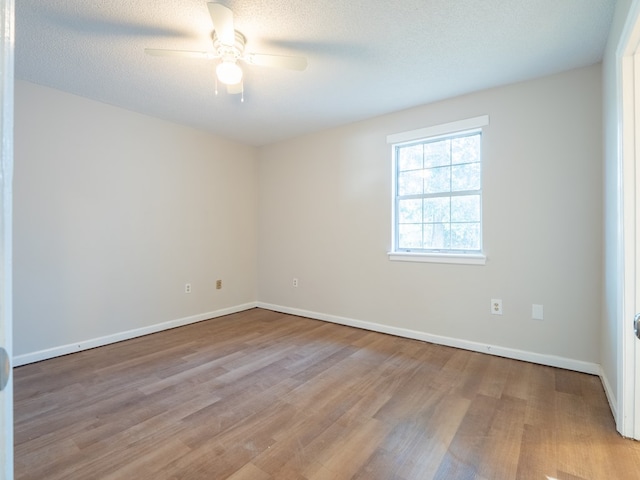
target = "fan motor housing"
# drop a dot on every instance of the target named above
(236, 50)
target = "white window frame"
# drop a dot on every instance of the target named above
(425, 134)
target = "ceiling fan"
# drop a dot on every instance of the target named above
(228, 49)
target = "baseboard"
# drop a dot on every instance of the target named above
(542, 359)
(127, 335)
(611, 395)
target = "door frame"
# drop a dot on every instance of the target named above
(7, 41)
(628, 66)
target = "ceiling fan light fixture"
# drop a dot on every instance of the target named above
(228, 50)
(229, 72)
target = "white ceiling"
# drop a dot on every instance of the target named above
(366, 58)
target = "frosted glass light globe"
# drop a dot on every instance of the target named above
(229, 72)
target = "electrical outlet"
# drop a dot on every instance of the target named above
(295, 282)
(218, 284)
(496, 306)
(187, 288)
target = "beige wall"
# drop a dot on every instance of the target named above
(115, 212)
(325, 212)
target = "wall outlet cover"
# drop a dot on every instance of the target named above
(496, 306)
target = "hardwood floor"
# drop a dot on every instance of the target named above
(261, 395)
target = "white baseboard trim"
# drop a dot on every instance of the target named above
(611, 395)
(120, 336)
(542, 359)
(539, 358)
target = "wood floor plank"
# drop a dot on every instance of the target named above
(538, 453)
(416, 446)
(250, 472)
(263, 395)
(501, 449)
(347, 455)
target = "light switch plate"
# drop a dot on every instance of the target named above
(537, 312)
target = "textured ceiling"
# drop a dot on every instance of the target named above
(366, 58)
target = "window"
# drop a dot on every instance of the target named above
(437, 185)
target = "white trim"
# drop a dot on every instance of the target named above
(127, 335)
(609, 392)
(435, 130)
(626, 410)
(457, 258)
(533, 357)
(539, 358)
(7, 46)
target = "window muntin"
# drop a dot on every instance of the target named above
(438, 194)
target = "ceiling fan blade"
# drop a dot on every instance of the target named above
(233, 89)
(222, 19)
(157, 52)
(280, 61)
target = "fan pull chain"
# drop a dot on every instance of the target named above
(216, 77)
(242, 92)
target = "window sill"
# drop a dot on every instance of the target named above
(458, 258)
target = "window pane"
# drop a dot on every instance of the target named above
(410, 183)
(437, 180)
(409, 236)
(465, 177)
(437, 154)
(410, 211)
(465, 209)
(409, 158)
(438, 184)
(465, 236)
(437, 236)
(465, 149)
(436, 210)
